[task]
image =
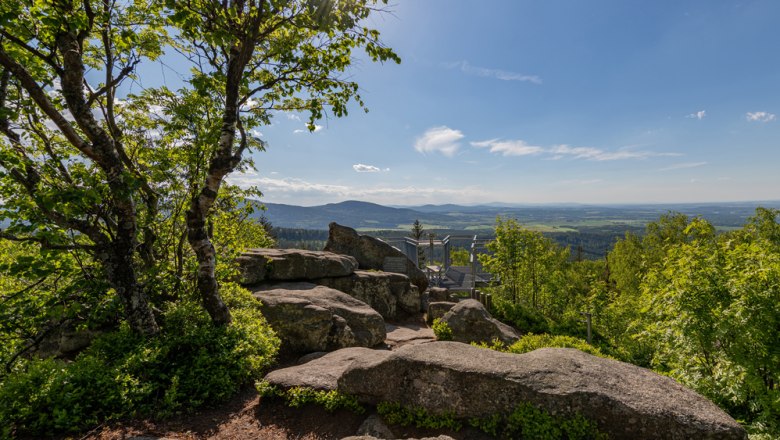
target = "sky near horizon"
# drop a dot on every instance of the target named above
(562, 101)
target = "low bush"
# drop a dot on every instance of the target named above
(298, 396)
(525, 319)
(525, 422)
(531, 342)
(442, 330)
(191, 363)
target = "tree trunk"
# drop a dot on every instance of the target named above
(121, 274)
(221, 164)
(198, 237)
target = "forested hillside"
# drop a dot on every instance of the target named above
(682, 299)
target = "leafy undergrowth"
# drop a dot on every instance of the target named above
(190, 364)
(296, 397)
(531, 342)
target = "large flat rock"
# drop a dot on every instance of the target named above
(264, 265)
(626, 401)
(308, 317)
(323, 372)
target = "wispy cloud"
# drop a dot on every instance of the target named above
(301, 191)
(698, 115)
(683, 166)
(509, 148)
(307, 129)
(522, 148)
(363, 168)
(442, 140)
(503, 75)
(580, 182)
(760, 116)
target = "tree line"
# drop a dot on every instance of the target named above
(682, 299)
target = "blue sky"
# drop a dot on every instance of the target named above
(548, 102)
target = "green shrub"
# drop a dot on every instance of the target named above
(397, 414)
(525, 422)
(52, 396)
(191, 363)
(530, 422)
(298, 396)
(442, 330)
(531, 342)
(525, 319)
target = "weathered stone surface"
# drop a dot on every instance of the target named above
(471, 322)
(438, 310)
(65, 341)
(390, 294)
(626, 401)
(370, 252)
(259, 265)
(399, 335)
(438, 294)
(308, 317)
(375, 427)
(323, 373)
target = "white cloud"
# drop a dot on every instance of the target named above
(299, 191)
(442, 140)
(557, 152)
(698, 115)
(760, 116)
(683, 166)
(503, 75)
(362, 168)
(306, 130)
(509, 148)
(292, 116)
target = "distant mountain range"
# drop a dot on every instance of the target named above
(365, 215)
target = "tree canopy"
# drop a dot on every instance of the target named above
(112, 186)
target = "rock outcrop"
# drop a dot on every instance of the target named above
(438, 294)
(323, 372)
(390, 294)
(471, 322)
(626, 401)
(264, 265)
(308, 317)
(438, 309)
(372, 253)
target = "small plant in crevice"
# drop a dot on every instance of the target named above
(442, 330)
(297, 397)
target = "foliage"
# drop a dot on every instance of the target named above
(460, 256)
(524, 422)
(296, 397)
(397, 414)
(530, 342)
(712, 307)
(529, 267)
(442, 330)
(191, 363)
(530, 422)
(520, 316)
(416, 232)
(122, 185)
